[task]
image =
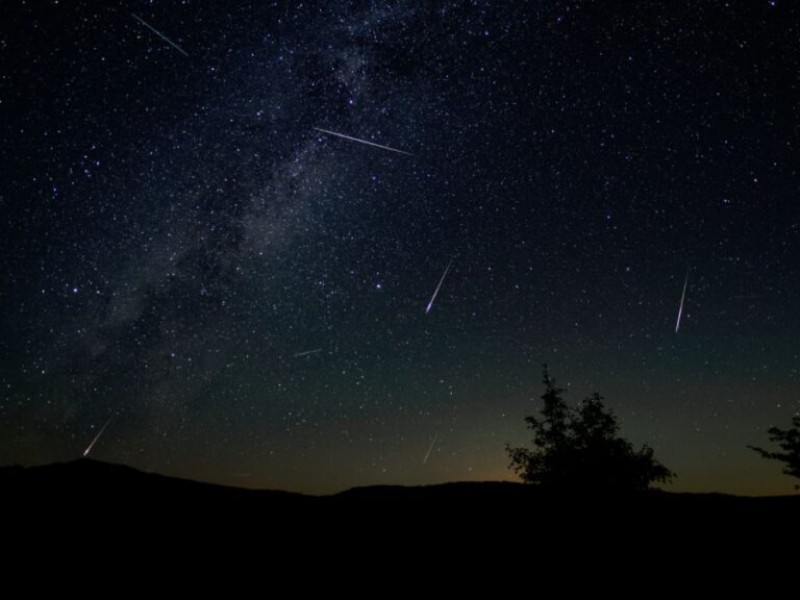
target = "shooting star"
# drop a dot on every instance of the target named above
(438, 287)
(683, 297)
(430, 448)
(159, 34)
(97, 437)
(307, 352)
(360, 141)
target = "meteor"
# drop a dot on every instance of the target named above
(97, 437)
(436, 291)
(430, 448)
(159, 34)
(307, 352)
(683, 297)
(360, 141)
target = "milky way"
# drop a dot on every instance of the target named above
(184, 246)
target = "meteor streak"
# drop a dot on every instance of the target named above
(360, 141)
(307, 352)
(436, 291)
(430, 448)
(683, 297)
(159, 34)
(97, 437)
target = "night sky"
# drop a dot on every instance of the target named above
(184, 250)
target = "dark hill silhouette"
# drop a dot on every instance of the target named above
(88, 482)
(102, 505)
(86, 479)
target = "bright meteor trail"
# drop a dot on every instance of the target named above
(430, 449)
(307, 352)
(683, 297)
(159, 34)
(436, 291)
(97, 437)
(360, 141)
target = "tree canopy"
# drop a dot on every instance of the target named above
(789, 441)
(581, 449)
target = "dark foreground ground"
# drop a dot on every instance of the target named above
(89, 510)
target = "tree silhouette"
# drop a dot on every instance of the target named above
(581, 449)
(789, 441)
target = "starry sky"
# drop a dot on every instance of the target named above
(184, 251)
